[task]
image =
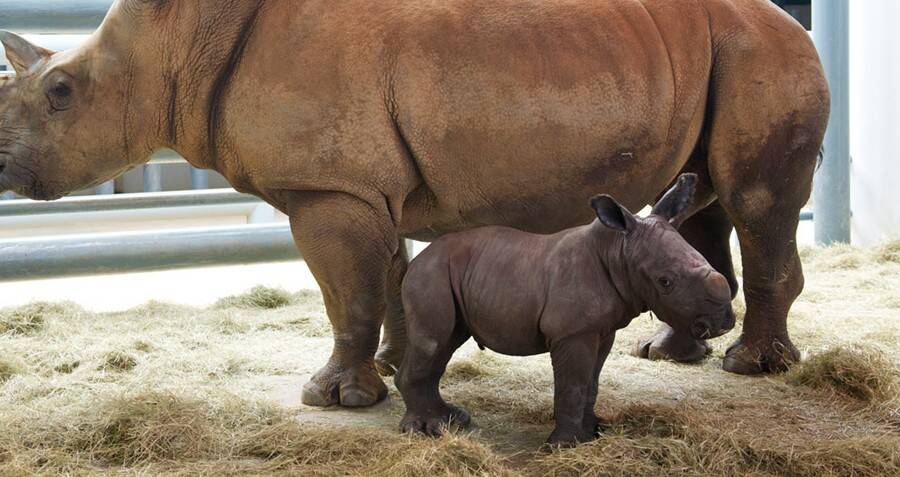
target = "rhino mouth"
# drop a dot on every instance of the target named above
(22, 180)
(712, 326)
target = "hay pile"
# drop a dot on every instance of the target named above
(154, 432)
(174, 390)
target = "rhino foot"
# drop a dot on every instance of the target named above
(388, 359)
(433, 425)
(564, 438)
(667, 344)
(769, 355)
(354, 387)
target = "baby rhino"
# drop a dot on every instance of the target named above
(523, 294)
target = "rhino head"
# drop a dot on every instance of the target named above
(71, 120)
(666, 274)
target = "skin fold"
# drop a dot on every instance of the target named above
(368, 122)
(567, 293)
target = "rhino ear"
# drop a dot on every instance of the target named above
(677, 200)
(21, 53)
(612, 214)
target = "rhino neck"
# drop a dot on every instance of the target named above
(187, 54)
(616, 256)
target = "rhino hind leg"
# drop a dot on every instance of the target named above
(709, 231)
(393, 340)
(434, 334)
(764, 142)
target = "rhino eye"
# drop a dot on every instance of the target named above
(60, 94)
(61, 90)
(664, 282)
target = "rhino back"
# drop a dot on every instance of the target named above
(461, 113)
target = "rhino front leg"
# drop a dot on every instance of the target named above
(348, 245)
(590, 422)
(393, 341)
(574, 366)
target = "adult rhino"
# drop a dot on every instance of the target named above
(366, 122)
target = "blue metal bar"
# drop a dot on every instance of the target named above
(91, 254)
(199, 179)
(152, 177)
(108, 203)
(106, 188)
(831, 194)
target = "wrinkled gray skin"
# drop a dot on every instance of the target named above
(523, 294)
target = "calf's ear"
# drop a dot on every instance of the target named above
(21, 53)
(677, 200)
(612, 214)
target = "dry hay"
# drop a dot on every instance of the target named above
(9, 367)
(149, 432)
(685, 440)
(112, 361)
(173, 390)
(30, 318)
(258, 297)
(863, 373)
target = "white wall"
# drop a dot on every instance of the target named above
(875, 119)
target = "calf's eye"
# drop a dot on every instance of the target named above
(665, 282)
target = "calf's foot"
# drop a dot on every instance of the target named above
(388, 358)
(593, 426)
(356, 386)
(667, 344)
(433, 423)
(564, 438)
(750, 356)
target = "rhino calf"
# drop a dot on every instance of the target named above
(523, 294)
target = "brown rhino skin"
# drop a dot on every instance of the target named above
(369, 121)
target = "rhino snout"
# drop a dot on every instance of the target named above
(707, 327)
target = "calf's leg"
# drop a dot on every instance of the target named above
(348, 245)
(434, 334)
(590, 421)
(574, 366)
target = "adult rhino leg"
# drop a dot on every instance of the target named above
(763, 147)
(348, 245)
(709, 231)
(393, 340)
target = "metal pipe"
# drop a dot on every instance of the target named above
(831, 194)
(126, 202)
(142, 251)
(199, 179)
(106, 188)
(152, 177)
(52, 16)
